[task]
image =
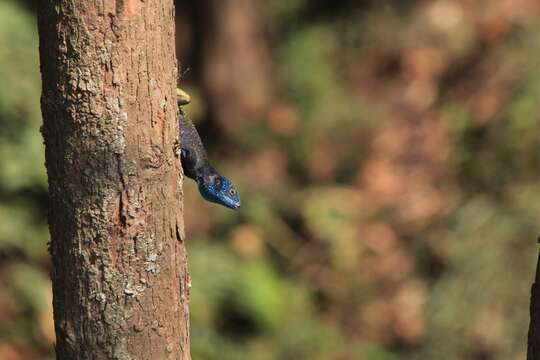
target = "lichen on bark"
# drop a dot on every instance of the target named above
(120, 281)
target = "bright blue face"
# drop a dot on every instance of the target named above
(218, 189)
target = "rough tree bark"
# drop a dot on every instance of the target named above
(120, 281)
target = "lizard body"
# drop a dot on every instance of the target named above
(212, 186)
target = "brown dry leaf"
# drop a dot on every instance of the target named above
(524, 12)
(488, 327)
(375, 319)
(407, 170)
(408, 306)
(283, 119)
(322, 161)
(265, 168)
(247, 241)
(409, 328)
(496, 19)
(378, 237)
(486, 102)
(394, 266)
(420, 94)
(444, 14)
(9, 352)
(423, 63)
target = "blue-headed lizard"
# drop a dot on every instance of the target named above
(212, 186)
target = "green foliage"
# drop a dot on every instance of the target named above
(285, 11)
(21, 230)
(278, 311)
(260, 292)
(29, 285)
(23, 233)
(487, 256)
(311, 81)
(19, 101)
(22, 227)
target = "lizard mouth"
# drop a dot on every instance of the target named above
(232, 204)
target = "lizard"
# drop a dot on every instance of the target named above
(212, 186)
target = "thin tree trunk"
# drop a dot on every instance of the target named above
(236, 48)
(119, 275)
(533, 343)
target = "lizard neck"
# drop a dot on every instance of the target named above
(204, 172)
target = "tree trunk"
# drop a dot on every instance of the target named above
(119, 275)
(235, 49)
(533, 343)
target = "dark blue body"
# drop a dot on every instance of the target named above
(212, 186)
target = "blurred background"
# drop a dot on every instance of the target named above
(387, 154)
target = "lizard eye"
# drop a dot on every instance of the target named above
(232, 192)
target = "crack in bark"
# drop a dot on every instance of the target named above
(108, 232)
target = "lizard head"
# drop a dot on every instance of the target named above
(218, 189)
